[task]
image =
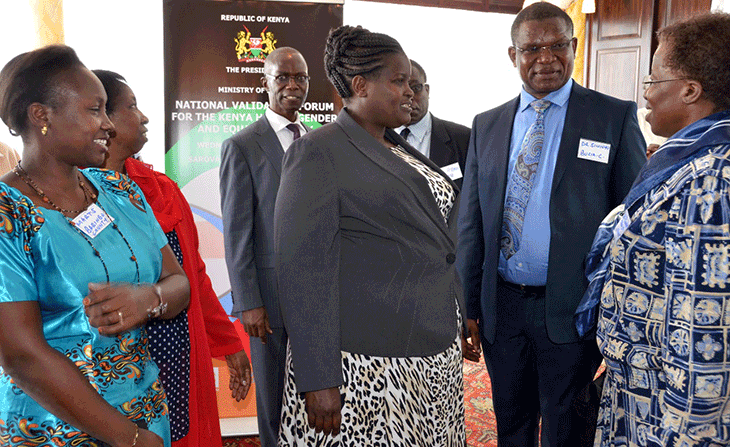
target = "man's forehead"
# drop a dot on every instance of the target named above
(542, 29)
(285, 63)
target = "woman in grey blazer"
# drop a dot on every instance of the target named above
(365, 239)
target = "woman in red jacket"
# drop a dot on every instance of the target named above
(181, 347)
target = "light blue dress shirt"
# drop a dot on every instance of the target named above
(529, 265)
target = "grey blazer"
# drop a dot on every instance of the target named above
(250, 171)
(365, 260)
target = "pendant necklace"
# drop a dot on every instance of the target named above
(89, 196)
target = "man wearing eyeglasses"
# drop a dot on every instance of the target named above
(249, 180)
(541, 173)
(444, 142)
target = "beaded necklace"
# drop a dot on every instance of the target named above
(88, 197)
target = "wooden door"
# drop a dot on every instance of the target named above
(621, 39)
(619, 50)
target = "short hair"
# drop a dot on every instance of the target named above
(352, 51)
(113, 85)
(541, 10)
(699, 48)
(33, 77)
(420, 69)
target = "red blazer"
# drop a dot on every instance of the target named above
(212, 334)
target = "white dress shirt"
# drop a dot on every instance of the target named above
(279, 123)
(420, 136)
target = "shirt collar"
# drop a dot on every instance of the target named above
(279, 122)
(420, 128)
(559, 97)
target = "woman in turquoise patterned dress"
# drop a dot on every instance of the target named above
(660, 264)
(83, 266)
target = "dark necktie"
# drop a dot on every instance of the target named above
(405, 132)
(521, 180)
(295, 130)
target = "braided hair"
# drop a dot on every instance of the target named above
(352, 51)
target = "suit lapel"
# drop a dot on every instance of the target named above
(498, 157)
(575, 119)
(383, 157)
(269, 143)
(441, 152)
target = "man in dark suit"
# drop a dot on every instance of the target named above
(541, 173)
(249, 179)
(444, 142)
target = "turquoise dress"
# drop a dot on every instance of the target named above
(44, 259)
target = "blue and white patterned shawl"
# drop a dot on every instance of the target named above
(683, 147)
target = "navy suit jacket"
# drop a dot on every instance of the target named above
(583, 192)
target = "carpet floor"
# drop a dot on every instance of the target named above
(481, 427)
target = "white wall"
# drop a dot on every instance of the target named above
(17, 36)
(464, 53)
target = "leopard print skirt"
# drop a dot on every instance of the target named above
(388, 401)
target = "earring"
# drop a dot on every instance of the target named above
(44, 129)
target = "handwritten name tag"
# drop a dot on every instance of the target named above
(92, 221)
(593, 150)
(453, 171)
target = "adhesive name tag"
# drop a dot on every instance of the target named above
(594, 150)
(621, 226)
(92, 221)
(453, 171)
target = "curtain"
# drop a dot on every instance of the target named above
(48, 21)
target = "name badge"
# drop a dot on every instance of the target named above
(453, 171)
(593, 150)
(92, 221)
(621, 226)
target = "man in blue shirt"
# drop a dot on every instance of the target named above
(541, 173)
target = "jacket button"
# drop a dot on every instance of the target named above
(450, 258)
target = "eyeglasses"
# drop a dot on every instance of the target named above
(284, 79)
(417, 88)
(648, 81)
(534, 50)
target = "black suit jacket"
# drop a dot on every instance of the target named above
(449, 143)
(365, 259)
(582, 193)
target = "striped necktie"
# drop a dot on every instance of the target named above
(520, 182)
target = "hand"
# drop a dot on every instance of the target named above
(256, 323)
(148, 439)
(240, 369)
(116, 308)
(324, 410)
(471, 346)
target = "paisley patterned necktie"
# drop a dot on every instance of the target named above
(521, 179)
